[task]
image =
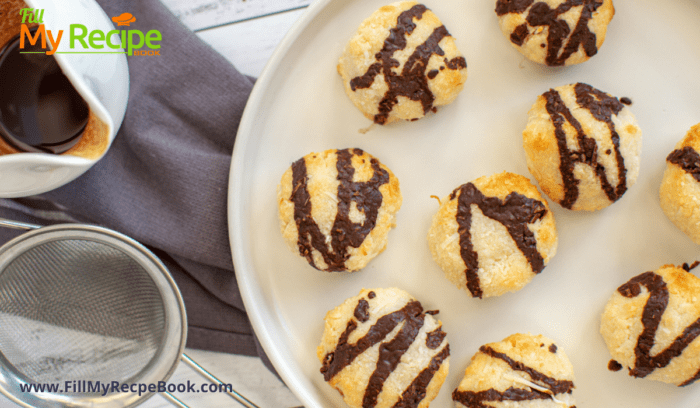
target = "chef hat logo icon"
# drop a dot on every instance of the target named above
(124, 19)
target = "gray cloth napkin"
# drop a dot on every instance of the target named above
(164, 181)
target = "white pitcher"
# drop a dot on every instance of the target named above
(102, 80)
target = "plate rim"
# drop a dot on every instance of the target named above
(248, 283)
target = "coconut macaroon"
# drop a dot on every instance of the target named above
(680, 187)
(401, 64)
(380, 349)
(523, 370)
(651, 326)
(555, 32)
(493, 235)
(582, 146)
(336, 208)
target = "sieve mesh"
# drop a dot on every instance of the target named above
(77, 309)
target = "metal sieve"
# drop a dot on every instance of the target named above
(83, 303)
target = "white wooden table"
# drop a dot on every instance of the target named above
(256, 26)
(246, 33)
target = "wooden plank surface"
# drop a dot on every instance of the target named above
(246, 375)
(249, 44)
(68, 358)
(203, 14)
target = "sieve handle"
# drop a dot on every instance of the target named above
(173, 400)
(17, 225)
(206, 374)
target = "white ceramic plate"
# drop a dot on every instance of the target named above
(651, 55)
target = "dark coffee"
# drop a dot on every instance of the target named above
(40, 110)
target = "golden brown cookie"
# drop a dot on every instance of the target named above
(336, 208)
(555, 32)
(582, 146)
(401, 64)
(493, 235)
(680, 187)
(651, 326)
(380, 349)
(523, 370)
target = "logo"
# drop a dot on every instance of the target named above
(83, 41)
(32, 16)
(124, 19)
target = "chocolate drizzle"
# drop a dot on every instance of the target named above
(435, 338)
(514, 213)
(504, 7)
(554, 385)
(344, 233)
(362, 311)
(415, 393)
(614, 365)
(602, 107)
(540, 14)
(519, 35)
(654, 309)
(456, 63)
(412, 83)
(473, 399)
(688, 159)
(390, 353)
